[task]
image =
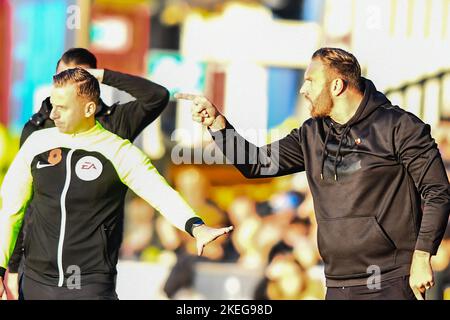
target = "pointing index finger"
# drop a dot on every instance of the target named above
(185, 96)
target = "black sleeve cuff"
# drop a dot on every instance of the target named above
(221, 132)
(190, 224)
(2, 272)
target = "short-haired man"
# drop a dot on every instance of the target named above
(368, 163)
(78, 212)
(127, 120)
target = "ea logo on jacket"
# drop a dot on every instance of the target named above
(88, 168)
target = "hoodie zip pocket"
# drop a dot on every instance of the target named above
(103, 230)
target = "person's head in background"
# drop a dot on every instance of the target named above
(287, 277)
(76, 57)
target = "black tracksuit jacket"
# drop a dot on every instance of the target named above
(127, 120)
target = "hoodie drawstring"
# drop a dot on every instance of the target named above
(325, 151)
(338, 152)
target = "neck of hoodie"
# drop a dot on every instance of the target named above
(345, 108)
(358, 107)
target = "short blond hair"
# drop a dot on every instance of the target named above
(86, 84)
(343, 63)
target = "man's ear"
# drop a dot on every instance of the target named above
(338, 86)
(89, 109)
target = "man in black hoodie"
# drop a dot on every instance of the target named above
(368, 164)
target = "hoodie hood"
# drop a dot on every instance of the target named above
(372, 99)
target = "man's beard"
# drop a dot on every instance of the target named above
(322, 105)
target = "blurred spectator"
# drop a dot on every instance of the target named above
(298, 228)
(176, 255)
(286, 278)
(263, 230)
(180, 253)
(286, 202)
(138, 228)
(180, 283)
(194, 187)
(247, 222)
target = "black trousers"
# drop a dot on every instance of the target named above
(33, 290)
(393, 289)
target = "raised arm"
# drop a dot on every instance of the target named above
(279, 158)
(129, 119)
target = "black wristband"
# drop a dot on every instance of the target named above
(2, 272)
(189, 226)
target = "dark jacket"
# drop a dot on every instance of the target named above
(126, 120)
(78, 213)
(367, 178)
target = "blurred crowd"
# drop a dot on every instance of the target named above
(275, 234)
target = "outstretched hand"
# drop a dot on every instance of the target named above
(203, 111)
(204, 235)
